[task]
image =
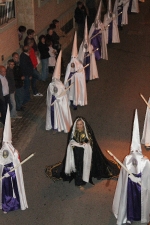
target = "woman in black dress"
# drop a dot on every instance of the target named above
(84, 158)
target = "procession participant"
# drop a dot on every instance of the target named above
(132, 196)
(146, 129)
(97, 34)
(121, 12)
(110, 23)
(75, 75)
(87, 56)
(84, 158)
(58, 115)
(12, 192)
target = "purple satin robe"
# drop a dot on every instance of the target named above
(133, 200)
(9, 185)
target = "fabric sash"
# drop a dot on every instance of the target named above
(110, 32)
(87, 69)
(52, 111)
(120, 9)
(133, 200)
(97, 43)
(10, 195)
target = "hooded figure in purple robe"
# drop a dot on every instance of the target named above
(132, 196)
(12, 192)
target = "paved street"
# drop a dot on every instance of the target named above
(112, 100)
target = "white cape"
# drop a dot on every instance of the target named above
(119, 207)
(93, 66)
(13, 157)
(103, 53)
(124, 12)
(62, 115)
(70, 163)
(135, 6)
(77, 93)
(115, 32)
(146, 130)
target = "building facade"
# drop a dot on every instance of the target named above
(33, 14)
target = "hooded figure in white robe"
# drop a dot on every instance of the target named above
(86, 56)
(58, 115)
(110, 22)
(133, 6)
(75, 76)
(121, 12)
(97, 35)
(132, 200)
(12, 192)
(146, 130)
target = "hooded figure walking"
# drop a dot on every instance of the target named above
(12, 192)
(132, 200)
(58, 115)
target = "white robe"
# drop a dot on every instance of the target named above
(52, 58)
(120, 198)
(146, 130)
(77, 93)
(103, 52)
(124, 12)
(87, 158)
(93, 66)
(115, 32)
(13, 157)
(62, 115)
(135, 6)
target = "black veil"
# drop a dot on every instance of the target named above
(101, 167)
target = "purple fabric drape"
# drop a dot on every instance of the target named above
(52, 111)
(97, 43)
(9, 184)
(133, 200)
(87, 69)
(110, 32)
(70, 75)
(120, 9)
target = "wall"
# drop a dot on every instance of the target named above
(49, 11)
(8, 40)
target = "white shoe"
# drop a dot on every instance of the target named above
(38, 95)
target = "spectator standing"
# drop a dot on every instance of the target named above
(21, 31)
(44, 56)
(27, 71)
(12, 88)
(4, 94)
(30, 36)
(80, 15)
(19, 82)
(52, 58)
(36, 74)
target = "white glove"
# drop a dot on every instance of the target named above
(6, 175)
(135, 179)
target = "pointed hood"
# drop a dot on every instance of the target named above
(74, 47)
(98, 15)
(86, 36)
(135, 145)
(7, 135)
(109, 7)
(57, 71)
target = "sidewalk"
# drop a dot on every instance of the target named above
(35, 113)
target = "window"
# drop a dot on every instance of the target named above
(7, 11)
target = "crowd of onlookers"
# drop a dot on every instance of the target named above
(22, 72)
